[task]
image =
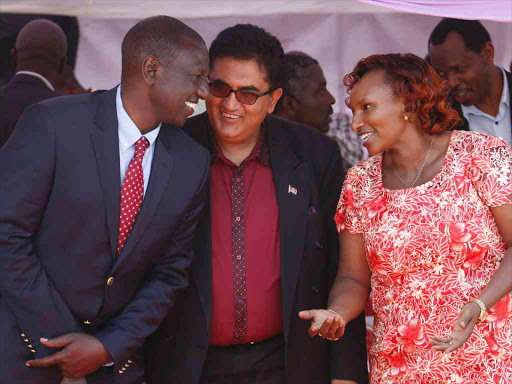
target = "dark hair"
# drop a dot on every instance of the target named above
(412, 79)
(160, 36)
(292, 73)
(249, 42)
(473, 33)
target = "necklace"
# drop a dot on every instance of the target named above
(419, 172)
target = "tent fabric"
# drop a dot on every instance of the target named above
(337, 41)
(186, 9)
(497, 10)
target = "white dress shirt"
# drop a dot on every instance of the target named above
(39, 76)
(485, 123)
(128, 136)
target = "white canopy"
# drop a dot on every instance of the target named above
(498, 10)
(336, 32)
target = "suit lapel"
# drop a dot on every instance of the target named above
(203, 275)
(161, 172)
(292, 177)
(105, 140)
(197, 128)
(508, 79)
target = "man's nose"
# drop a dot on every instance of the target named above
(452, 80)
(231, 103)
(330, 98)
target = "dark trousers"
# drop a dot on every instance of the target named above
(258, 363)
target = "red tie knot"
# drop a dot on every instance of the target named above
(141, 146)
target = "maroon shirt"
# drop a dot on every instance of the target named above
(246, 270)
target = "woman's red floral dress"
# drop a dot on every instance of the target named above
(431, 249)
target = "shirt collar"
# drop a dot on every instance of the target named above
(128, 131)
(39, 76)
(260, 150)
(505, 99)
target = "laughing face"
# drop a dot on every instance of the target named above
(232, 121)
(179, 85)
(467, 72)
(378, 113)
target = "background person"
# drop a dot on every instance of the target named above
(462, 53)
(306, 100)
(40, 55)
(428, 221)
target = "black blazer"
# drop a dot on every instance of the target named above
(20, 92)
(311, 162)
(59, 219)
(465, 124)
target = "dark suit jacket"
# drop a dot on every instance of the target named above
(59, 219)
(20, 92)
(465, 124)
(309, 161)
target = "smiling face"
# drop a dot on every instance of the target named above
(467, 72)
(378, 113)
(314, 105)
(179, 85)
(232, 121)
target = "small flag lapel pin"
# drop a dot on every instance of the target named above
(292, 190)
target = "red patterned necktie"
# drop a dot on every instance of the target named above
(132, 192)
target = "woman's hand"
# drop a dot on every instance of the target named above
(462, 329)
(325, 323)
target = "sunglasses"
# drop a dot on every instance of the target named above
(243, 96)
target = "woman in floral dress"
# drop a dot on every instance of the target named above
(427, 223)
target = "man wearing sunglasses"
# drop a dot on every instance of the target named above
(268, 247)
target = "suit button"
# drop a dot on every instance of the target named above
(110, 281)
(319, 244)
(315, 289)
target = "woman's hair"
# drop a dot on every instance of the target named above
(417, 83)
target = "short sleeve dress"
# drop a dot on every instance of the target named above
(431, 249)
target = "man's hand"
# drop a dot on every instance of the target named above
(82, 354)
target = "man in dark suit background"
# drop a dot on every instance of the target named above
(101, 194)
(268, 247)
(40, 53)
(461, 51)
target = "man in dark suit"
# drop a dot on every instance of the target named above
(40, 53)
(268, 247)
(461, 51)
(101, 194)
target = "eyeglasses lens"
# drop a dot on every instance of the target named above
(223, 91)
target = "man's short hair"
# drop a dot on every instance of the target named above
(292, 74)
(473, 33)
(249, 42)
(160, 36)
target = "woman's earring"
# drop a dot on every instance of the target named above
(406, 118)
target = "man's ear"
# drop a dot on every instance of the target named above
(488, 53)
(150, 66)
(62, 65)
(290, 105)
(276, 95)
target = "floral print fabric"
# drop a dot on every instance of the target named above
(431, 249)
